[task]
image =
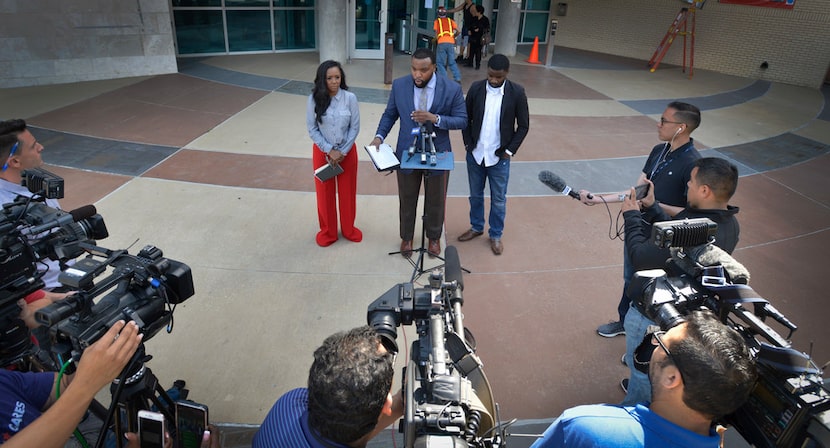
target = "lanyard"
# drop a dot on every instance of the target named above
(664, 161)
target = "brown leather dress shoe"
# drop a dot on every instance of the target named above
(434, 248)
(469, 234)
(406, 248)
(496, 246)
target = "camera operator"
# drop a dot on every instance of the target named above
(32, 415)
(20, 151)
(348, 400)
(711, 186)
(669, 167)
(700, 370)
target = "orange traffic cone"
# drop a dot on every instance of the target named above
(534, 52)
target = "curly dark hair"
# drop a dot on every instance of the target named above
(9, 130)
(718, 370)
(348, 384)
(320, 91)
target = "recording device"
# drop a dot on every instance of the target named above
(191, 423)
(790, 405)
(139, 288)
(151, 429)
(38, 180)
(558, 184)
(448, 401)
(30, 232)
(641, 191)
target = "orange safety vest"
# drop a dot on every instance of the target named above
(444, 26)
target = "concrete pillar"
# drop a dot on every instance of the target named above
(508, 27)
(332, 17)
(488, 9)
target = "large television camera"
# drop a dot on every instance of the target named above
(448, 398)
(32, 232)
(790, 405)
(139, 287)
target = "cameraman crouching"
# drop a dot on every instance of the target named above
(348, 400)
(699, 370)
(31, 415)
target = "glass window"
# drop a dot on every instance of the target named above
(177, 3)
(244, 3)
(249, 30)
(294, 29)
(534, 25)
(199, 32)
(536, 5)
(300, 3)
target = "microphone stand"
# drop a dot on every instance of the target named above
(423, 143)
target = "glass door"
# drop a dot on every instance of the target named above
(367, 29)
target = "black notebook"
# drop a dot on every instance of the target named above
(327, 171)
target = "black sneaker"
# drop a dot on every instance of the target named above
(611, 329)
(624, 385)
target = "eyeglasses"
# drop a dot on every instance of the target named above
(656, 337)
(664, 121)
(643, 354)
(11, 154)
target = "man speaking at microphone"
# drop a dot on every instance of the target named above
(713, 182)
(418, 99)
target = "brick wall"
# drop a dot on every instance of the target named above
(732, 39)
(51, 42)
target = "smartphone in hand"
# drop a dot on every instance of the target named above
(151, 429)
(641, 190)
(191, 423)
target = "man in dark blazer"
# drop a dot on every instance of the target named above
(444, 108)
(498, 123)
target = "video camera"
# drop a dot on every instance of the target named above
(448, 398)
(30, 232)
(790, 405)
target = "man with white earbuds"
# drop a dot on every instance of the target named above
(669, 168)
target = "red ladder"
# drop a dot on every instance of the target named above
(678, 26)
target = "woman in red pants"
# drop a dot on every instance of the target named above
(333, 121)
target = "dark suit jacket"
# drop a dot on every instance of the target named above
(515, 118)
(448, 102)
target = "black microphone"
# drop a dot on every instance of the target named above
(558, 185)
(79, 214)
(709, 255)
(452, 267)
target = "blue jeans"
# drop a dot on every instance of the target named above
(497, 175)
(636, 327)
(446, 55)
(628, 274)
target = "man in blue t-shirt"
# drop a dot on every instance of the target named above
(700, 370)
(348, 400)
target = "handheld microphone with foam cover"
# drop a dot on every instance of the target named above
(709, 255)
(558, 184)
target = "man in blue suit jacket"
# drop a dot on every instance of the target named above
(445, 109)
